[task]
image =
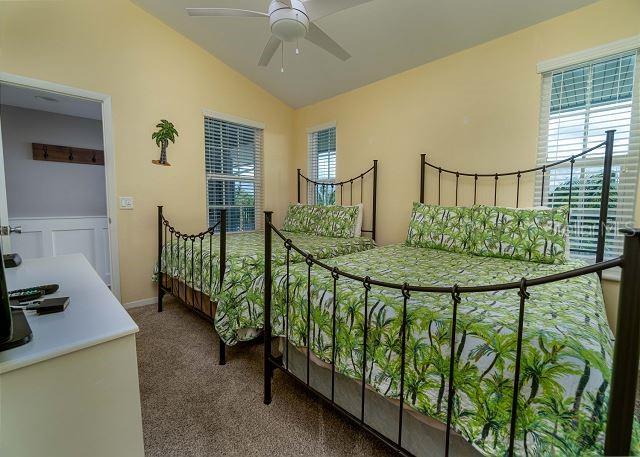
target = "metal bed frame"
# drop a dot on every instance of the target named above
(627, 345)
(196, 300)
(335, 185)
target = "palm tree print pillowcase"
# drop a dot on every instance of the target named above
(332, 220)
(534, 235)
(449, 228)
(300, 218)
(336, 221)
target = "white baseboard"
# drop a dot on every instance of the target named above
(143, 302)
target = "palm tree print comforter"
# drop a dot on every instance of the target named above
(198, 266)
(567, 346)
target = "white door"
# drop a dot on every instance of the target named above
(4, 211)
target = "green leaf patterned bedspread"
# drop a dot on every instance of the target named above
(567, 345)
(235, 312)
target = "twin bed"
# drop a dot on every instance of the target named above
(213, 272)
(451, 343)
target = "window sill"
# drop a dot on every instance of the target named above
(612, 274)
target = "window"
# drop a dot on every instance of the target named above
(322, 165)
(579, 104)
(233, 164)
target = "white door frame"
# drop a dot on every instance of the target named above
(5, 240)
(109, 157)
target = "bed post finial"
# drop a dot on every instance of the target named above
(423, 160)
(160, 242)
(268, 369)
(375, 199)
(604, 201)
(624, 376)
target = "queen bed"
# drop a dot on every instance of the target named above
(475, 336)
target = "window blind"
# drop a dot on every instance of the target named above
(322, 166)
(578, 105)
(233, 164)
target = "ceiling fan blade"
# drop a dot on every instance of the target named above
(321, 8)
(317, 36)
(286, 2)
(226, 12)
(269, 50)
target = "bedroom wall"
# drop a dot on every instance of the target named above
(151, 72)
(41, 189)
(475, 110)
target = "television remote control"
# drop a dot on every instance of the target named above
(32, 293)
(23, 295)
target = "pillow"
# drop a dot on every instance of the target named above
(300, 218)
(336, 221)
(357, 229)
(441, 227)
(332, 221)
(531, 234)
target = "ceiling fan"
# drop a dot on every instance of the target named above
(291, 20)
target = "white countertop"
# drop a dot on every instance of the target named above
(93, 315)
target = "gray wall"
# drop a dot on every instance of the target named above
(50, 189)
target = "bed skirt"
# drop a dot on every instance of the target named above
(421, 435)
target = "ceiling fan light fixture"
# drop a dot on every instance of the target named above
(289, 30)
(289, 24)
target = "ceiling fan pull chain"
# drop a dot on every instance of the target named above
(297, 40)
(282, 58)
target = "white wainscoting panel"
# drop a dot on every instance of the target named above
(51, 236)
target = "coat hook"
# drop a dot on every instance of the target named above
(70, 154)
(46, 152)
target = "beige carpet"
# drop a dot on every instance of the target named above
(191, 406)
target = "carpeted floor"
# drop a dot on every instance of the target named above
(191, 406)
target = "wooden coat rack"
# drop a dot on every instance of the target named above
(68, 154)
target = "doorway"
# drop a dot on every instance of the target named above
(57, 155)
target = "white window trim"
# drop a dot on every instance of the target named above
(612, 274)
(234, 119)
(598, 52)
(249, 123)
(583, 57)
(317, 128)
(311, 131)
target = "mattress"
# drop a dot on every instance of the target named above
(197, 264)
(566, 357)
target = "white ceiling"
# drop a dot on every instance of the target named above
(25, 97)
(384, 37)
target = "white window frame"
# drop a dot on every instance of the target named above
(311, 196)
(609, 50)
(259, 174)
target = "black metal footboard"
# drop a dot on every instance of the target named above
(626, 352)
(196, 300)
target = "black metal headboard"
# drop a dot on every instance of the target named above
(349, 182)
(607, 144)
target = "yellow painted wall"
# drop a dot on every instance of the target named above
(151, 72)
(475, 110)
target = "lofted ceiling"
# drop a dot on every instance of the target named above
(384, 37)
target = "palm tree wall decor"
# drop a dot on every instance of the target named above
(166, 132)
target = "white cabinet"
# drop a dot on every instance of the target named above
(73, 390)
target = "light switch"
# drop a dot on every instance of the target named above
(126, 202)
